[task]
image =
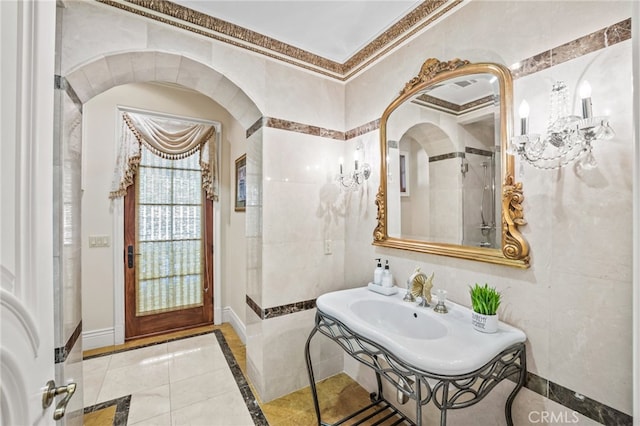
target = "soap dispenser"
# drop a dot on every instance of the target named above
(387, 278)
(377, 273)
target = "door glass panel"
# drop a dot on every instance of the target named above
(169, 272)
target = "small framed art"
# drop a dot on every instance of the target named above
(241, 183)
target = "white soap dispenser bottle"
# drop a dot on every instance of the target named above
(377, 273)
(387, 278)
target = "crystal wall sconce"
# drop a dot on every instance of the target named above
(361, 172)
(567, 138)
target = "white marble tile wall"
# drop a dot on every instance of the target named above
(581, 259)
(282, 355)
(574, 301)
(303, 208)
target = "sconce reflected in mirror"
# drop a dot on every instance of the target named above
(567, 137)
(361, 170)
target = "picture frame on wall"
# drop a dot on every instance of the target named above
(241, 183)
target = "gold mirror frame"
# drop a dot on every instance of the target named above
(514, 248)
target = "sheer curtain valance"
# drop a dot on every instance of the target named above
(167, 137)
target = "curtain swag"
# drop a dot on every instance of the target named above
(169, 138)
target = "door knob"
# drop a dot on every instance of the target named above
(52, 391)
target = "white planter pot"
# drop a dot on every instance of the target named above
(484, 323)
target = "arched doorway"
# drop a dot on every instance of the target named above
(99, 75)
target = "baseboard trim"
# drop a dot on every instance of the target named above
(229, 315)
(104, 337)
(99, 338)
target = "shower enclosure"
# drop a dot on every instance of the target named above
(480, 204)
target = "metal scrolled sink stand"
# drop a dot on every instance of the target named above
(446, 392)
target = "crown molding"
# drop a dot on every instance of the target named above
(196, 22)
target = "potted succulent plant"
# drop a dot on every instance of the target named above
(485, 301)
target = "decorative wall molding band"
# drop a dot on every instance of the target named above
(255, 127)
(597, 40)
(254, 307)
(60, 83)
(363, 129)
(292, 126)
(453, 108)
(579, 403)
(307, 129)
(446, 156)
(278, 311)
(60, 354)
(478, 151)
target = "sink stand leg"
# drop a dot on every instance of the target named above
(519, 385)
(418, 401)
(445, 403)
(312, 381)
(377, 397)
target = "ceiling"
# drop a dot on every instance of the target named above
(336, 38)
(334, 30)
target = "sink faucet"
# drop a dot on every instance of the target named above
(420, 287)
(408, 297)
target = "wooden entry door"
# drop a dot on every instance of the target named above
(168, 247)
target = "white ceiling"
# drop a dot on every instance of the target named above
(334, 30)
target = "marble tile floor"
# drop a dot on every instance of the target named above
(200, 380)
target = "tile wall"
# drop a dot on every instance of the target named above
(578, 289)
(579, 286)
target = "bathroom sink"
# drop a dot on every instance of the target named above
(401, 319)
(443, 344)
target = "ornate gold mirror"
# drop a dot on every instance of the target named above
(447, 184)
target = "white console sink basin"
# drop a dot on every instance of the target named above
(399, 319)
(443, 344)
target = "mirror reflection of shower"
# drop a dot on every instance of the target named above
(487, 209)
(481, 209)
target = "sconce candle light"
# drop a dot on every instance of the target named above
(361, 173)
(567, 138)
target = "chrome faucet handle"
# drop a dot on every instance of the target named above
(408, 297)
(440, 307)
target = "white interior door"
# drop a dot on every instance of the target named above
(27, 35)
